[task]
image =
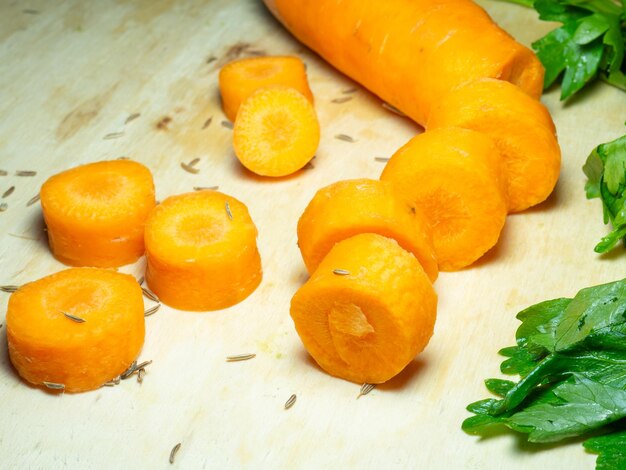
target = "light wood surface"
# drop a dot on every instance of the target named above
(85, 81)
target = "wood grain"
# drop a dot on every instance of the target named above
(86, 81)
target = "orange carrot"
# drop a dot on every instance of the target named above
(521, 127)
(454, 177)
(75, 330)
(410, 52)
(276, 132)
(240, 78)
(368, 309)
(95, 213)
(347, 208)
(201, 251)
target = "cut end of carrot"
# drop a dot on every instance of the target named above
(201, 251)
(240, 78)
(95, 213)
(347, 208)
(76, 329)
(366, 311)
(276, 132)
(454, 177)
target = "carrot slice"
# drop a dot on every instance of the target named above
(201, 251)
(76, 329)
(366, 311)
(454, 177)
(240, 78)
(95, 213)
(410, 52)
(521, 127)
(276, 132)
(347, 208)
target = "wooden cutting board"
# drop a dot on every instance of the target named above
(87, 81)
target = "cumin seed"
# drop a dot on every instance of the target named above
(73, 317)
(194, 162)
(393, 109)
(128, 372)
(113, 135)
(3, 173)
(207, 123)
(9, 288)
(112, 383)
(3, 206)
(227, 124)
(152, 310)
(228, 212)
(123, 158)
(211, 59)
(381, 159)
(240, 357)
(150, 295)
(141, 374)
(33, 200)
(54, 386)
(202, 188)
(189, 169)
(8, 192)
(25, 173)
(349, 91)
(308, 166)
(365, 389)
(140, 280)
(343, 99)
(345, 138)
(174, 451)
(292, 400)
(341, 272)
(132, 117)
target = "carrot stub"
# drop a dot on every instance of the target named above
(521, 128)
(78, 328)
(347, 208)
(276, 132)
(453, 176)
(95, 213)
(201, 251)
(366, 311)
(410, 52)
(240, 78)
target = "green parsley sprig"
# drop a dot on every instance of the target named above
(571, 357)
(590, 43)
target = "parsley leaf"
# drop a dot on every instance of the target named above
(571, 357)
(606, 172)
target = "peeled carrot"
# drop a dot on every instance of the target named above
(95, 213)
(366, 311)
(201, 251)
(240, 78)
(454, 177)
(347, 208)
(521, 127)
(77, 329)
(276, 132)
(410, 52)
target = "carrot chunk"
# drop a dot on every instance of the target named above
(201, 251)
(410, 52)
(521, 128)
(240, 78)
(76, 329)
(276, 132)
(366, 311)
(454, 177)
(347, 208)
(95, 213)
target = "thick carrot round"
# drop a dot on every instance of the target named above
(276, 132)
(410, 52)
(77, 329)
(366, 311)
(347, 208)
(95, 213)
(201, 251)
(240, 78)
(454, 177)
(521, 128)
